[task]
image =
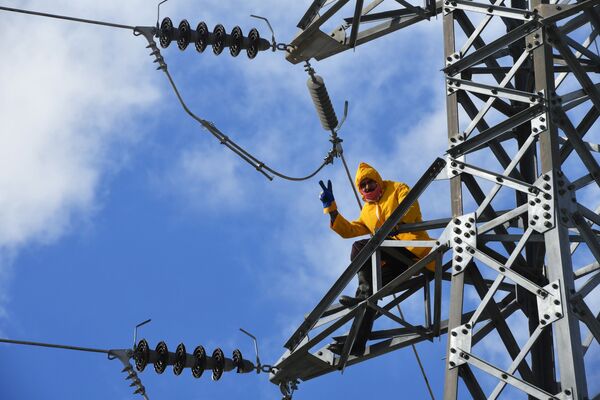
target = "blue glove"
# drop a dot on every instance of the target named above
(327, 198)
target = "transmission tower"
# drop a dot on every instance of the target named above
(521, 98)
(521, 237)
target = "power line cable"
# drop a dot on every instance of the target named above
(223, 139)
(123, 356)
(67, 18)
(240, 151)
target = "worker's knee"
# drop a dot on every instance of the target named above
(357, 247)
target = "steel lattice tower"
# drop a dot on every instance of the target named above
(520, 101)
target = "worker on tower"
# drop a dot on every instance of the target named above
(381, 199)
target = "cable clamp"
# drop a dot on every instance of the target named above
(284, 47)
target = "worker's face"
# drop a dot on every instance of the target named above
(367, 185)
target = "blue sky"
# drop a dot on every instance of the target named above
(116, 207)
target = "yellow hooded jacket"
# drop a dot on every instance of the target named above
(373, 215)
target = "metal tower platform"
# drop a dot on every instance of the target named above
(522, 94)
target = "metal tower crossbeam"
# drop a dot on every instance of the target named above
(311, 42)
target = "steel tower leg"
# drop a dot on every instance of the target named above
(457, 283)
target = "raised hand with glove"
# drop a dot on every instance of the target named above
(327, 198)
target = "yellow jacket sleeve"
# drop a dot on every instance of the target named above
(347, 229)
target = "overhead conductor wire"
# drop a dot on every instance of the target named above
(110, 353)
(223, 139)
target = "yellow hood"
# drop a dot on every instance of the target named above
(366, 171)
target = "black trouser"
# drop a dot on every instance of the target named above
(391, 267)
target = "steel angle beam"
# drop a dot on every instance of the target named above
(383, 15)
(488, 50)
(582, 151)
(558, 41)
(492, 10)
(493, 91)
(355, 23)
(555, 12)
(476, 41)
(311, 13)
(505, 377)
(485, 137)
(582, 129)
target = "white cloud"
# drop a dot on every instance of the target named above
(203, 177)
(69, 96)
(62, 106)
